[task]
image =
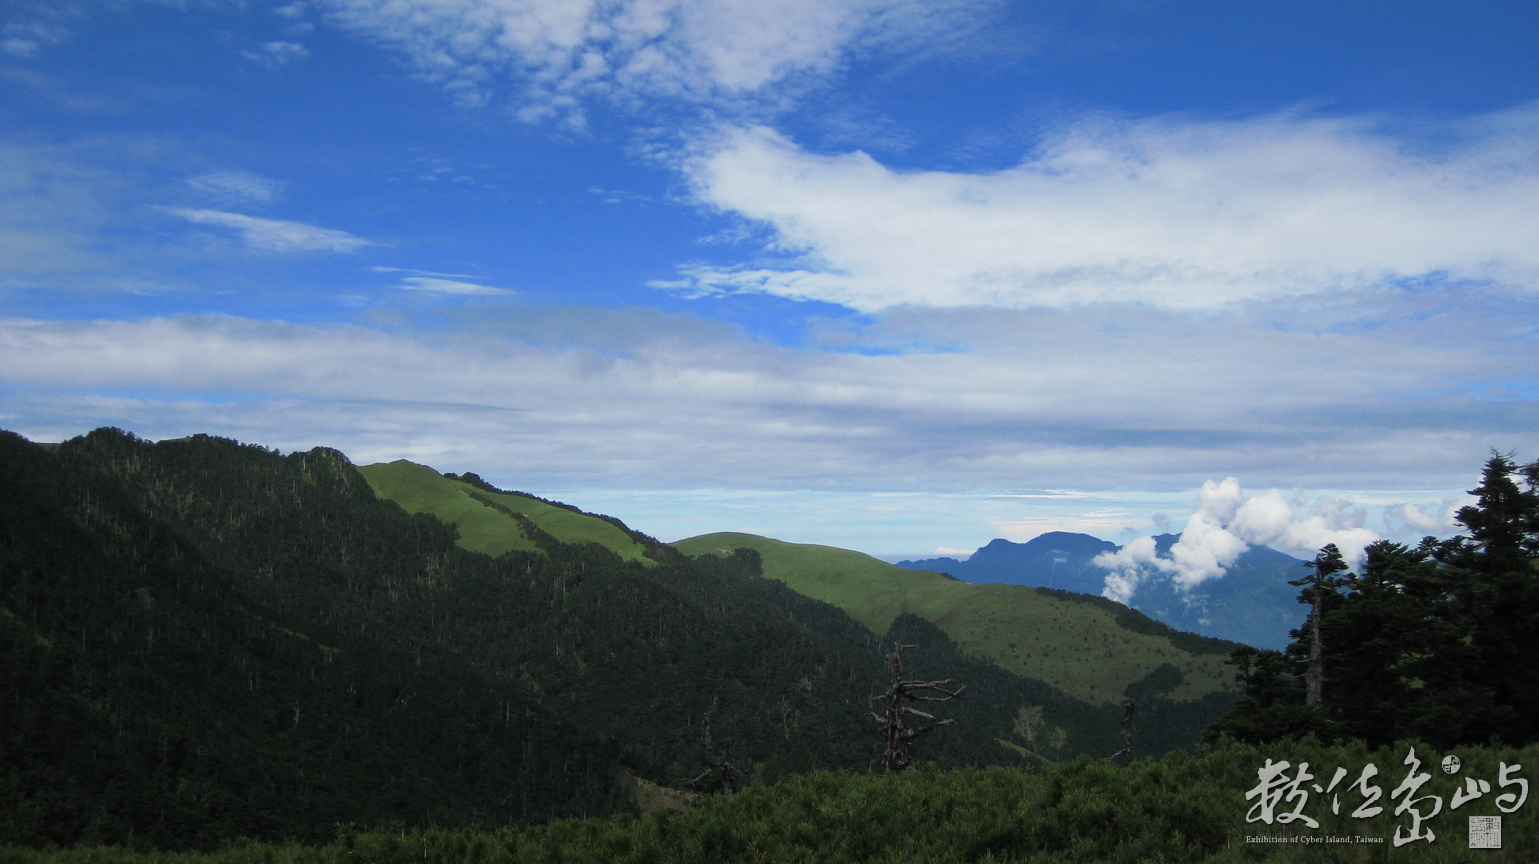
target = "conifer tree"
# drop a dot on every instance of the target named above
(1319, 587)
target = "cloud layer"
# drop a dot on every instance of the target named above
(1169, 211)
(1039, 400)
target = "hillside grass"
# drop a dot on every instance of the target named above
(1181, 808)
(420, 489)
(1078, 647)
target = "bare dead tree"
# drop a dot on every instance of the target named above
(901, 691)
(1126, 753)
(720, 775)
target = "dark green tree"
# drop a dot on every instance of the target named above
(1495, 576)
(1439, 641)
(1320, 589)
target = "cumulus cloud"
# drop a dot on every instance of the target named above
(556, 53)
(274, 235)
(1129, 566)
(1224, 524)
(1172, 211)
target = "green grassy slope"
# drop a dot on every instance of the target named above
(420, 489)
(1083, 647)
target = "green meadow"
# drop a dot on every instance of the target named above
(1079, 645)
(491, 529)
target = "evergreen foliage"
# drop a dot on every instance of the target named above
(207, 640)
(1181, 808)
(161, 692)
(1438, 641)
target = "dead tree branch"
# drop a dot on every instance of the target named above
(720, 775)
(899, 692)
(1126, 753)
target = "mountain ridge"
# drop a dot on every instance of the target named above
(1251, 603)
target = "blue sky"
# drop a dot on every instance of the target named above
(891, 275)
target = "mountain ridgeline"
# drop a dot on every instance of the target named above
(202, 640)
(1251, 603)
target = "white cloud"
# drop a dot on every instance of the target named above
(1169, 211)
(276, 54)
(1225, 523)
(1418, 521)
(1129, 566)
(436, 285)
(38, 27)
(644, 398)
(274, 235)
(238, 186)
(556, 53)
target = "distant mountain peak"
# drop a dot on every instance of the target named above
(1252, 603)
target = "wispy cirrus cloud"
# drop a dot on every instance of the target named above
(551, 55)
(238, 186)
(429, 282)
(274, 235)
(1169, 211)
(275, 55)
(438, 285)
(27, 28)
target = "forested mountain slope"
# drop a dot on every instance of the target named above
(205, 639)
(201, 639)
(268, 681)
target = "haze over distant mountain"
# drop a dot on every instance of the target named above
(1252, 603)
